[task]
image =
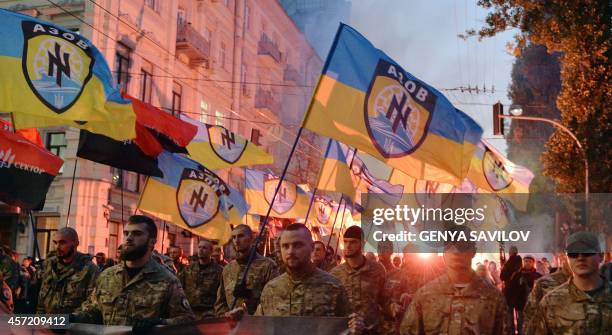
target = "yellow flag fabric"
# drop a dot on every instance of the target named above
(491, 172)
(218, 148)
(291, 201)
(52, 76)
(335, 174)
(193, 198)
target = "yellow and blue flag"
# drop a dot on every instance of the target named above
(366, 100)
(218, 148)
(335, 175)
(54, 76)
(491, 172)
(291, 201)
(193, 197)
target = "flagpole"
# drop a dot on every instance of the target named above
(316, 187)
(253, 250)
(314, 192)
(331, 233)
(340, 232)
(121, 190)
(35, 250)
(140, 196)
(76, 159)
(163, 235)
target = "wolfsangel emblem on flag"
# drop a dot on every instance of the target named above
(426, 193)
(198, 196)
(324, 210)
(397, 111)
(226, 144)
(286, 197)
(495, 173)
(57, 64)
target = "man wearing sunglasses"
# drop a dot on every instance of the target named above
(582, 305)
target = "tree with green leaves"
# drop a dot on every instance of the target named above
(580, 31)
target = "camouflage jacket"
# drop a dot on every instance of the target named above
(65, 287)
(541, 287)
(399, 281)
(152, 293)
(568, 310)
(365, 289)
(317, 294)
(200, 283)
(10, 270)
(6, 299)
(262, 270)
(440, 308)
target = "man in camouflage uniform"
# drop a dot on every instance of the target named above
(541, 287)
(9, 268)
(201, 280)
(262, 270)
(176, 254)
(304, 289)
(582, 305)
(68, 277)
(458, 302)
(363, 279)
(319, 257)
(400, 287)
(138, 291)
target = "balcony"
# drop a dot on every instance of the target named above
(193, 45)
(291, 74)
(268, 50)
(264, 99)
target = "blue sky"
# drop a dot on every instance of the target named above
(422, 37)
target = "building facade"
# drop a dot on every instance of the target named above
(242, 64)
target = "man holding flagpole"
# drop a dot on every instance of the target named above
(262, 270)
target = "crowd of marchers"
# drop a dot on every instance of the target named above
(377, 294)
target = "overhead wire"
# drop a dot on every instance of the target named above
(168, 72)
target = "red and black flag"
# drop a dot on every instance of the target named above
(26, 171)
(156, 131)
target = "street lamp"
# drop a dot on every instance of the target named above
(516, 111)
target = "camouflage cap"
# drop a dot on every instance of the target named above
(583, 241)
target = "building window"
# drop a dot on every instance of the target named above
(56, 144)
(114, 232)
(180, 17)
(146, 82)
(255, 136)
(122, 66)
(218, 118)
(116, 177)
(222, 55)
(153, 4)
(132, 181)
(177, 96)
(247, 17)
(204, 108)
(46, 226)
(243, 80)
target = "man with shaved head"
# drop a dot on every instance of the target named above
(68, 277)
(200, 280)
(262, 270)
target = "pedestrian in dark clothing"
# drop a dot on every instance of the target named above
(510, 290)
